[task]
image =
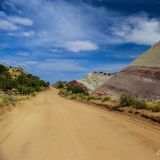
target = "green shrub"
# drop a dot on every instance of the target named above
(60, 84)
(106, 99)
(140, 104)
(156, 108)
(91, 98)
(73, 96)
(129, 100)
(34, 94)
(126, 100)
(80, 95)
(76, 90)
(63, 92)
(2, 68)
(6, 100)
(1, 104)
(83, 97)
(24, 83)
(10, 92)
(15, 91)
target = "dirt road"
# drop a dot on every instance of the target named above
(49, 127)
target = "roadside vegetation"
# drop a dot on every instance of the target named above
(75, 90)
(23, 83)
(78, 93)
(127, 100)
(60, 84)
(16, 84)
(6, 100)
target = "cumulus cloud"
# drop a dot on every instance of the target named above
(60, 23)
(78, 27)
(12, 23)
(78, 46)
(139, 30)
(20, 20)
(48, 29)
(22, 34)
(6, 25)
(82, 27)
(27, 34)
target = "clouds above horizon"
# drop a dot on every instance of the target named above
(139, 30)
(60, 67)
(11, 23)
(59, 35)
(78, 46)
(77, 28)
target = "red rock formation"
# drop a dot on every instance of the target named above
(75, 83)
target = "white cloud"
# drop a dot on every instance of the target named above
(139, 30)
(24, 34)
(12, 23)
(78, 46)
(20, 20)
(27, 34)
(55, 50)
(6, 25)
(82, 27)
(60, 23)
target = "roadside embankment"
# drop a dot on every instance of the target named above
(137, 109)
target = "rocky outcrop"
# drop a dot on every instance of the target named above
(16, 72)
(75, 83)
(95, 79)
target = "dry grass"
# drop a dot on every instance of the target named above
(6, 100)
(129, 100)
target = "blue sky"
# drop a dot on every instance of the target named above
(65, 39)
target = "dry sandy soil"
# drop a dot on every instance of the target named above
(49, 127)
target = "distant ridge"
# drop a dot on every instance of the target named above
(151, 58)
(141, 78)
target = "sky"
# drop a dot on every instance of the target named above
(66, 39)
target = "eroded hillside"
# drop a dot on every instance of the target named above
(95, 79)
(141, 78)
